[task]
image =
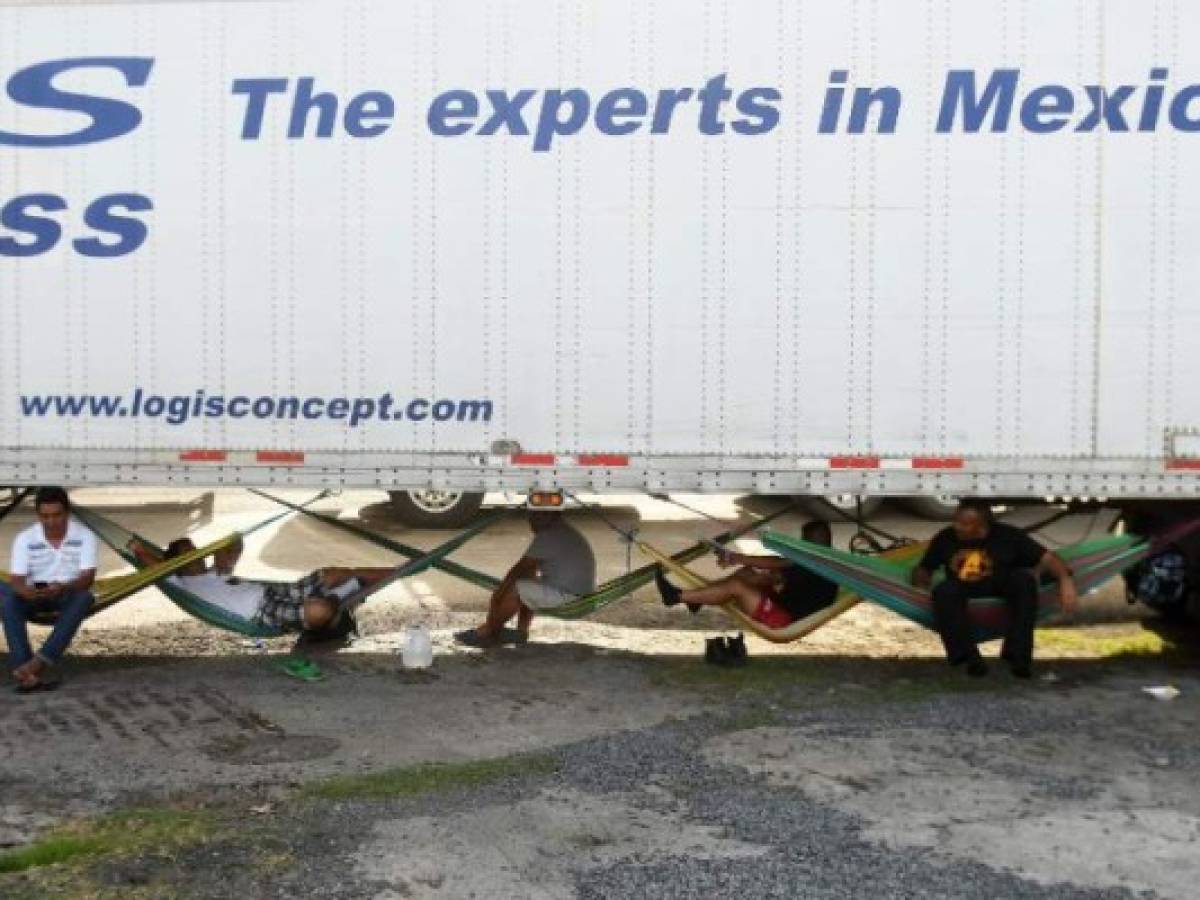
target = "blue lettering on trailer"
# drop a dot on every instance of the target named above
(33, 87)
(968, 108)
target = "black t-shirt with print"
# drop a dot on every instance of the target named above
(1003, 551)
(805, 592)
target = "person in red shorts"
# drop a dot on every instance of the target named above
(769, 589)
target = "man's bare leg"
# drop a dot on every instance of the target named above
(742, 583)
(504, 605)
(331, 577)
(745, 588)
(743, 593)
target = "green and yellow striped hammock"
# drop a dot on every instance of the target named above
(605, 595)
(112, 590)
(845, 601)
(118, 538)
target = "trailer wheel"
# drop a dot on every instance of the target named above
(817, 508)
(1173, 615)
(435, 509)
(938, 508)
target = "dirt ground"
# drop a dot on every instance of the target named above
(179, 761)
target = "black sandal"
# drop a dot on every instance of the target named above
(471, 638)
(38, 687)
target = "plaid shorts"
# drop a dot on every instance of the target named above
(283, 603)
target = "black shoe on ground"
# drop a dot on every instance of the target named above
(670, 593)
(1022, 670)
(976, 667)
(735, 650)
(715, 653)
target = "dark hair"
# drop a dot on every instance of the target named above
(342, 627)
(816, 527)
(179, 547)
(47, 495)
(976, 505)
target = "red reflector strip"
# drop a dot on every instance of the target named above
(933, 462)
(854, 462)
(533, 459)
(203, 456)
(604, 460)
(1184, 465)
(280, 458)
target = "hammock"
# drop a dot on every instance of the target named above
(624, 585)
(604, 595)
(888, 582)
(479, 579)
(117, 537)
(426, 561)
(18, 497)
(112, 590)
(801, 628)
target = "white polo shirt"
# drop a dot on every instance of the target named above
(38, 561)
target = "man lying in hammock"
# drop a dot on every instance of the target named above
(768, 589)
(311, 605)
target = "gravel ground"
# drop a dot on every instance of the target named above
(817, 772)
(661, 812)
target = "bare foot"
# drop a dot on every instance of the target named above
(31, 672)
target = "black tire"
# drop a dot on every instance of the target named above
(818, 507)
(435, 509)
(1184, 612)
(1173, 615)
(936, 509)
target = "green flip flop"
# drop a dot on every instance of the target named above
(302, 669)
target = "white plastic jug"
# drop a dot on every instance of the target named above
(417, 652)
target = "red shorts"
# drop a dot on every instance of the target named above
(770, 613)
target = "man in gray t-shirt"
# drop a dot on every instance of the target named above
(557, 567)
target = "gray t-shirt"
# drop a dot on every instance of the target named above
(565, 559)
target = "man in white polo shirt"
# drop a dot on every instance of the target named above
(53, 568)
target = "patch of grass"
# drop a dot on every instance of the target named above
(947, 682)
(122, 834)
(588, 841)
(273, 861)
(1104, 643)
(821, 681)
(762, 674)
(752, 717)
(51, 851)
(429, 778)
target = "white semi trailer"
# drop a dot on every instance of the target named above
(914, 247)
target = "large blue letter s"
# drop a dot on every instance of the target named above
(33, 86)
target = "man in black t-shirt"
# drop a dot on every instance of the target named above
(773, 591)
(984, 558)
